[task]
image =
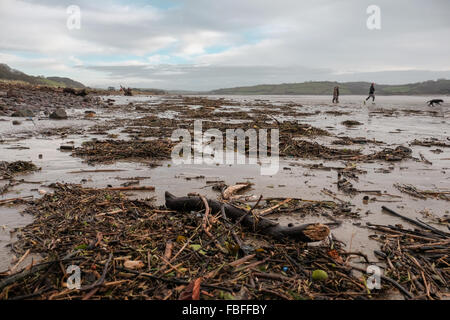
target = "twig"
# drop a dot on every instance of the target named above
(102, 278)
(417, 223)
(20, 261)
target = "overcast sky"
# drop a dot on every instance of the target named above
(209, 44)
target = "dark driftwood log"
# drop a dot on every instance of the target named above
(306, 233)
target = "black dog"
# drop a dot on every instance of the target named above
(435, 101)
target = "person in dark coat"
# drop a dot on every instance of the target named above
(371, 92)
(336, 95)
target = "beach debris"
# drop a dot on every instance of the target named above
(126, 91)
(133, 265)
(307, 233)
(319, 275)
(192, 291)
(431, 142)
(231, 190)
(425, 160)
(113, 150)
(307, 149)
(346, 186)
(423, 194)
(416, 260)
(14, 200)
(131, 249)
(293, 128)
(267, 211)
(10, 169)
(132, 188)
(58, 114)
(350, 141)
(90, 114)
(136, 254)
(388, 154)
(337, 112)
(351, 123)
(66, 147)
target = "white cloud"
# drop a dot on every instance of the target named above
(233, 37)
(158, 59)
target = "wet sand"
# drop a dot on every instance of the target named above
(393, 120)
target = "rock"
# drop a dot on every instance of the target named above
(140, 108)
(23, 113)
(81, 92)
(58, 114)
(89, 114)
(16, 122)
(350, 123)
(69, 90)
(12, 93)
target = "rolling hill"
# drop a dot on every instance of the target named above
(9, 74)
(438, 87)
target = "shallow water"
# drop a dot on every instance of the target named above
(292, 180)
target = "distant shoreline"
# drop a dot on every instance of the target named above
(438, 87)
(318, 95)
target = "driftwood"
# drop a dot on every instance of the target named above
(27, 271)
(126, 91)
(310, 232)
(5, 201)
(417, 223)
(132, 188)
(229, 192)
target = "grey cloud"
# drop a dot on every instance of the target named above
(191, 77)
(268, 41)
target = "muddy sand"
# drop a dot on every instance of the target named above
(340, 164)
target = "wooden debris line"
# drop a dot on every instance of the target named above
(423, 194)
(307, 232)
(418, 261)
(144, 252)
(6, 201)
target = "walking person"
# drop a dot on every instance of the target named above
(336, 95)
(371, 93)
